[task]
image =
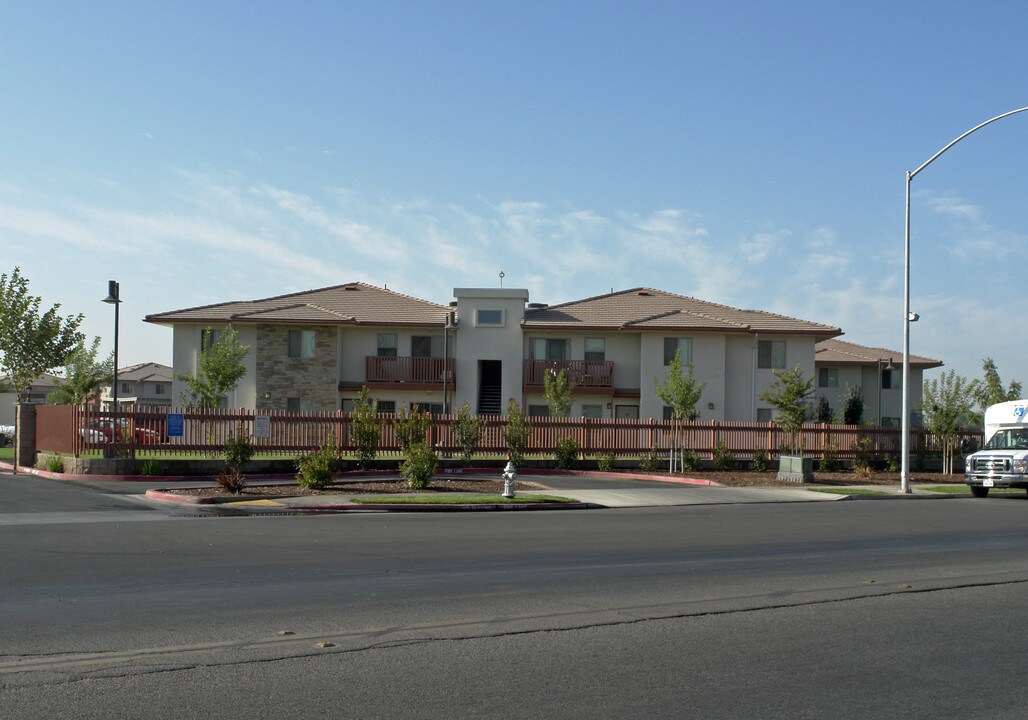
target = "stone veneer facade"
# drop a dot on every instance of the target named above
(283, 377)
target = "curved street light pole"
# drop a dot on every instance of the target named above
(905, 420)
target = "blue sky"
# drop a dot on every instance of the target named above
(751, 154)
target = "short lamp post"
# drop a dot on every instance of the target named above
(909, 317)
(114, 298)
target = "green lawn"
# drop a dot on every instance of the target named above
(457, 499)
(966, 490)
(850, 491)
(7, 454)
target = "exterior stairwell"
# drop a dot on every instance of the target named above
(489, 397)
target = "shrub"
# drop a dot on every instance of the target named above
(724, 459)
(419, 466)
(365, 429)
(650, 462)
(151, 467)
(760, 463)
(238, 451)
(566, 453)
(316, 469)
(690, 460)
(892, 463)
(862, 462)
(52, 463)
(605, 463)
(516, 433)
(232, 481)
(410, 427)
(467, 431)
(830, 461)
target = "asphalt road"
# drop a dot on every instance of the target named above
(890, 608)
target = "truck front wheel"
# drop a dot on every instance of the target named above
(979, 491)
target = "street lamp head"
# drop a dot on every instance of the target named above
(113, 296)
(913, 317)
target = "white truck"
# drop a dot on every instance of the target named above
(1003, 462)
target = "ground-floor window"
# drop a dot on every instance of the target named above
(626, 412)
(592, 411)
(538, 411)
(763, 414)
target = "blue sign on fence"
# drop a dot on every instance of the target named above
(176, 424)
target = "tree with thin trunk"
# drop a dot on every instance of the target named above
(84, 375)
(220, 370)
(32, 342)
(946, 402)
(680, 392)
(789, 395)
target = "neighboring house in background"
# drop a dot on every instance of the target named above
(314, 350)
(37, 394)
(878, 372)
(147, 384)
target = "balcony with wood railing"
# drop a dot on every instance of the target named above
(589, 376)
(412, 373)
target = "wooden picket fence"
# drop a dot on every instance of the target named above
(80, 429)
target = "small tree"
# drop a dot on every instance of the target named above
(365, 428)
(823, 413)
(789, 395)
(853, 408)
(419, 465)
(989, 390)
(516, 433)
(83, 375)
(238, 451)
(944, 403)
(559, 391)
(467, 431)
(32, 343)
(410, 427)
(680, 392)
(220, 370)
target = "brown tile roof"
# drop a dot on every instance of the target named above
(350, 304)
(846, 353)
(151, 371)
(648, 309)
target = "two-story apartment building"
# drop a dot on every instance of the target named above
(147, 384)
(878, 374)
(314, 350)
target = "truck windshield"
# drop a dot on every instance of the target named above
(1009, 440)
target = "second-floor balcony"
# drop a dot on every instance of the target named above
(413, 373)
(589, 376)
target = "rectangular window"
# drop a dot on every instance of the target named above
(492, 318)
(126, 387)
(387, 406)
(892, 379)
(387, 345)
(626, 412)
(548, 348)
(771, 354)
(669, 413)
(592, 411)
(763, 414)
(208, 338)
(421, 346)
(683, 346)
(595, 349)
(301, 343)
(160, 389)
(828, 377)
(538, 411)
(299, 404)
(430, 408)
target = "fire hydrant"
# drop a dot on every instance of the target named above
(510, 476)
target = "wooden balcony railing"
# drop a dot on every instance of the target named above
(588, 375)
(415, 373)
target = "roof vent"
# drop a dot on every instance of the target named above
(351, 286)
(644, 293)
(537, 306)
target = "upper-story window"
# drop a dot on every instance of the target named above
(891, 378)
(426, 346)
(680, 345)
(126, 387)
(493, 318)
(208, 338)
(548, 348)
(387, 344)
(301, 343)
(159, 389)
(771, 354)
(595, 349)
